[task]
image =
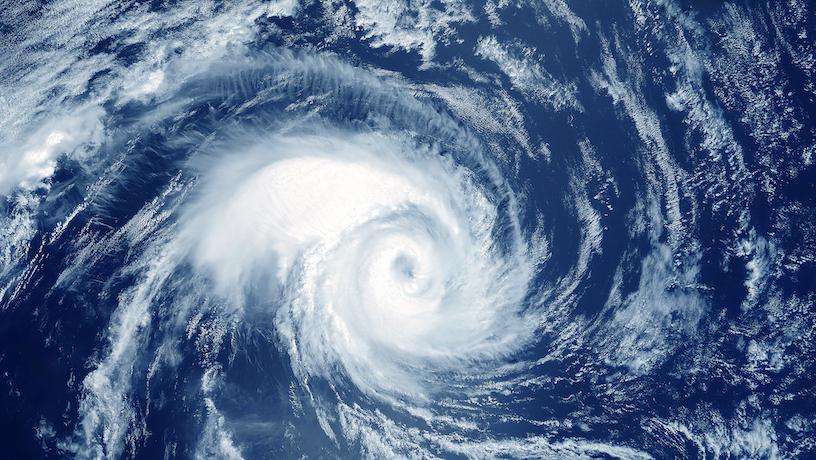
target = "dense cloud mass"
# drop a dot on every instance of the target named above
(397, 229)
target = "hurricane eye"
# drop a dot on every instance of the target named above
(404, 266)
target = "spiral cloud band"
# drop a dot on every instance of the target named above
(433, 229)
(383, 255)
(377, 259)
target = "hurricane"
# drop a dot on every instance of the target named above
(354, 229)
(382, 256)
